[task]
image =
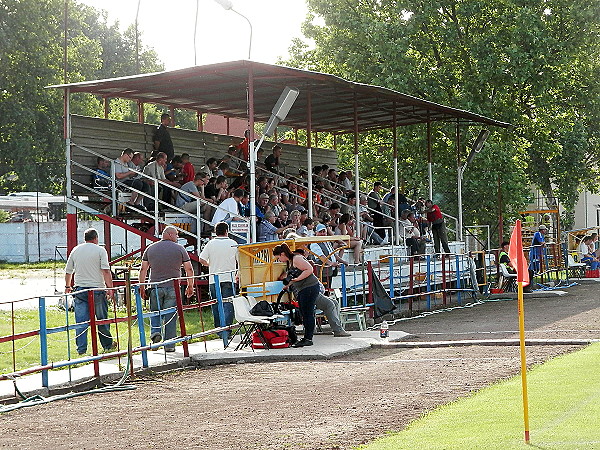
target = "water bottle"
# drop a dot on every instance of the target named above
(384, 330)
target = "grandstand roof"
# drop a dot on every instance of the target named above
(222, 89)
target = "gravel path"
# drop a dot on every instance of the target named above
(334, 404)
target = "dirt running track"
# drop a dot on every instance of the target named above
(335, 404)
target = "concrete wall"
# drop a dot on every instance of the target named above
(587, 211)
(43, 241)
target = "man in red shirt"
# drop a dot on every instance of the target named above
(187, 170)
(438, 227)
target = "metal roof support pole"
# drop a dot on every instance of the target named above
(106, 107)
(140, 106)
(429, 157)
(199, 120)
(356, 167)
(460, 169)
(500, 218)
(71, 210)
(252, 155)
(309, 153)
(227, 120)
(396, 186)
(172, 113)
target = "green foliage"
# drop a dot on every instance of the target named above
(528, 63)
(31, 58)
(4, 216)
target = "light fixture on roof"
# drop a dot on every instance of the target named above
(228, 6)
(281, 109)
(278, 113)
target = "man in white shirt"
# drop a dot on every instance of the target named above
(156, 170)
(585, 255)
(124, 174)
(220, 254)
(88, 268)
(228, 208)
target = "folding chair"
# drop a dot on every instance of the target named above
(508, 280)
(249, 323)
(576, 268)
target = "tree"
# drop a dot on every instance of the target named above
(31, 115)
(31, 128)
(527, 63)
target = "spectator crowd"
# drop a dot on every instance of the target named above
(218, 191)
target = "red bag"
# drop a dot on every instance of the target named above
(589, 273)
(273, 338)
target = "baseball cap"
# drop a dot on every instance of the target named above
(542, 227)
(320, 227)
(263, 196)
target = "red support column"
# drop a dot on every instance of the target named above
(93, 332)
(251, 101)
(140, 106)
(199, 118)
(107, 239)
(182, 330)
(71, 232)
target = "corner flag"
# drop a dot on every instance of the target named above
(515, 253)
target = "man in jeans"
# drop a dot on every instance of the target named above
(164, 259)
(220, 254)
(88, 268)
(438, 226)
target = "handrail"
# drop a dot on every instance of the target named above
(350, 207)
(157, 201)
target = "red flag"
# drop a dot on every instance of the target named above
(515, 253)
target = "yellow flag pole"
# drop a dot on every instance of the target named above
(523, 361)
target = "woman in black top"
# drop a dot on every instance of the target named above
(307, 286)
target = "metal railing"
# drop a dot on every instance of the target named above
(111, 195)
(136, 315)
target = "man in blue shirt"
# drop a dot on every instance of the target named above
(537, 249)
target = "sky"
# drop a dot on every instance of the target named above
(168, 27)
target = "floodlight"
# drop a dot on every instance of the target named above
(483, 135)
(478, 145)
(281, 109)
(226, 4)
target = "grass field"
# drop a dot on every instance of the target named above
(564, 412)
(27, 350)
(29, 266)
